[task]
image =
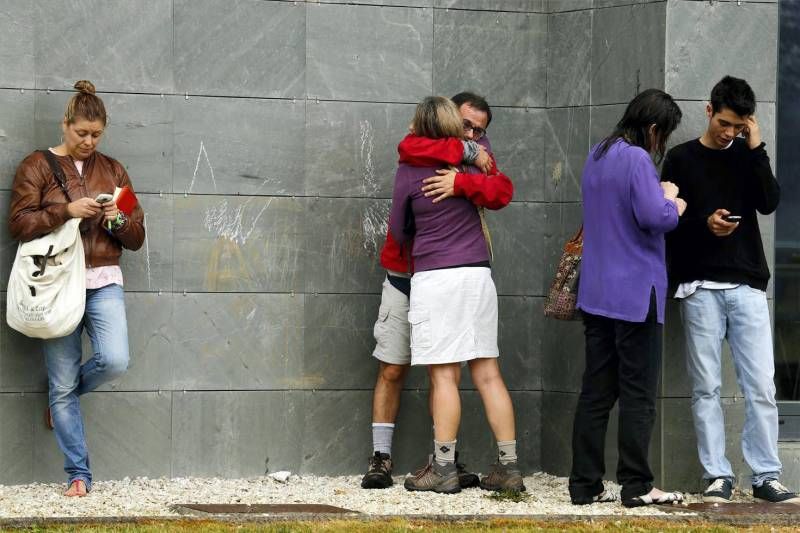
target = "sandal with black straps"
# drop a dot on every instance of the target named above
(667, 498)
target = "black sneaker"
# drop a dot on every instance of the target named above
(379, 475)
(772, 491)
(466, 479)
(719, 491)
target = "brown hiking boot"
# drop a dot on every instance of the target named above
(379, 475)
(434, 477)
(503, 477)
(466, 479)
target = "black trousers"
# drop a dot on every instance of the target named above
(623, 362)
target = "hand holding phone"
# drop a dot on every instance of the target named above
(103, 197)
(732, 218)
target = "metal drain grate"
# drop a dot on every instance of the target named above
(261, 508)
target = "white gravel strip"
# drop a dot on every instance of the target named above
(153, 497)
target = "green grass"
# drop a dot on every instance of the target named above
(635, 525)
(509, 496)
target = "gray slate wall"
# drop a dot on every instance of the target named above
(683, 47)
(260, 136)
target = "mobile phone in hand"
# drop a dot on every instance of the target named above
(103, 197)
(732, 218)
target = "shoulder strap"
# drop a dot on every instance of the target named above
(58, 172)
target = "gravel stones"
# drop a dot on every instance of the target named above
(154, 497)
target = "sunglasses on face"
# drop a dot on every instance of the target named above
(477, 132)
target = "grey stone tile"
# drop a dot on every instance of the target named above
(518, 143)
(327, 446)
(8, 246)
(528, 6)
(22, 367)
(17, 138)
(569, 55)
(518, 246)
(557, 6)
(324, 444)
(19, 413)
(127, 433)
(238, 146)
(138, 134)
(521, 329)
(566, 147)
(617, 3)
(231, 243)
(237, 341)
(338, 342)
(603, 119)
(233, 434)
(345, 237)
(150, 338)
(479, 52)
(558, 411)
(681, 467)
(391, 3)
(385, 56)
(564, 357)
(789, 453)
(150, 267)
(627, 51)
(351, 147)
(253, 49)
(692, 73)
(17, 53)
(122, 56)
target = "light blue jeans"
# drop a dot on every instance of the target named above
(741, 316)
(105, 323)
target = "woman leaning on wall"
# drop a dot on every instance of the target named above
(39, 206)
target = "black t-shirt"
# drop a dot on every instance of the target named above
(737, 179)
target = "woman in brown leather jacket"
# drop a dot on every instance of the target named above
(38, 206)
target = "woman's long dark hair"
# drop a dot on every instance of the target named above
(652, 107)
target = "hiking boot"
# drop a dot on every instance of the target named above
(379, 474)
(719, 491)
(503, 477)
(434, 477)
(772, 491)
(466, 479)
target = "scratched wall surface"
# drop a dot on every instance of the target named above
(261, 139)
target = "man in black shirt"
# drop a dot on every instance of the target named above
(718, 270)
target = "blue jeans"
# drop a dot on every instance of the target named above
(105, 323)
(741, 316)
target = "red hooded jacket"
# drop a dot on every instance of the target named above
(492, 191)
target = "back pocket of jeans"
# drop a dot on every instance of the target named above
(420, 328)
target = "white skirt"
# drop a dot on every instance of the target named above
(453, 316)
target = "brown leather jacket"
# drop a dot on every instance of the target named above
(38, 205)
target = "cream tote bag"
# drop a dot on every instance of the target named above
(47, 287)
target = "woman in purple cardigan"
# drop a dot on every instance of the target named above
(622, 291)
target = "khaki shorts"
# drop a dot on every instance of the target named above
(392, 330)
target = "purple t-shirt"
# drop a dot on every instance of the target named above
(448, 233)
(625, 216)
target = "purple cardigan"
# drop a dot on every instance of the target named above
(448, 233)
(625, 216)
